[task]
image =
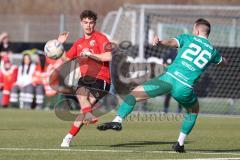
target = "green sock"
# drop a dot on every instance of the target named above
(127, 106)
(188, 123)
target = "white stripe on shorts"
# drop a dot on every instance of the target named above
(104, 85)
(184, 83)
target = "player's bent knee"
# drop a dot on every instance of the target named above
(78, 122)
(82, 91)
(194, 108)
(82, 97)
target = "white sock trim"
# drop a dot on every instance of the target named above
(69, 136)
(181, 138)
(118, 119)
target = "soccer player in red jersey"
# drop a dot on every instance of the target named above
(95, 73)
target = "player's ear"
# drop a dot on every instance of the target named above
(195, 30)
(198, 32)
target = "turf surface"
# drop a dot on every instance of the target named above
(26, 134)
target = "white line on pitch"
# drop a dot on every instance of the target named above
(117, 151)
(210, 159)
(193, 159)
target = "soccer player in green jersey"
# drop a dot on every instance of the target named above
(195, 54)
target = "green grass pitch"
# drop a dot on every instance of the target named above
(36, 135)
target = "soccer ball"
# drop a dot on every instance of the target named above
(53, 49)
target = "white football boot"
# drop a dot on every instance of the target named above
(67, 141)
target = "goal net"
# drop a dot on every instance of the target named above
(218, 88)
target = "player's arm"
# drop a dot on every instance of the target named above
(218, 59)
(105, 53)
(62, 38)
(64, 58)
(103, 57)
(167, 42)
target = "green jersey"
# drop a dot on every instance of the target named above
(195, 54)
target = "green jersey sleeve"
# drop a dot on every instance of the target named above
(181, 39)
(217, 58)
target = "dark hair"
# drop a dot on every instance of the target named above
(205, 23)
(42, 61)
(24, 55)
(88, 14)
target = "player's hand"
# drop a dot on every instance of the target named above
(63, 37)
(86, 53)
(224, 62)
(155, 41)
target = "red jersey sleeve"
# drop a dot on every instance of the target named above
(72, 52)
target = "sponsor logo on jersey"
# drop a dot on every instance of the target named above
(92, 43)
(188, 66)
(181, 75)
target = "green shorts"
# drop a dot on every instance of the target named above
(165, 84)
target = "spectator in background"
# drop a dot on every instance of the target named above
(8, 74)
(51, 66)
(49, 89)
(4, 42)
(24, 86)
(38, 80)
(4, 50)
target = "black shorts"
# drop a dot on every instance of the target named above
(98, 88)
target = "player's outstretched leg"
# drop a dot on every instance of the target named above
(149, 89)
(77, 125)
(84, 118)
(125, 109)
(187, 126)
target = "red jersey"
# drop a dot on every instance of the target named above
(8, 78)
(88, 66)
(38, 75)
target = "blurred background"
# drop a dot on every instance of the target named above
(29, 24)
(40, 20)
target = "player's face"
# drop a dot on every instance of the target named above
(88, 25)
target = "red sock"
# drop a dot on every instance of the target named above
(86, 109)
(74, 130)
